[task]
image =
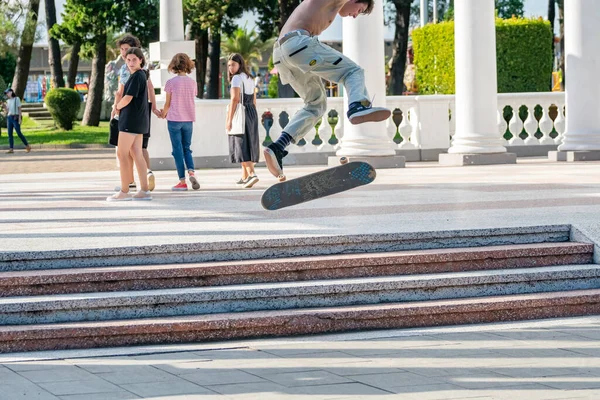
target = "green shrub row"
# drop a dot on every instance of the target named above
(523, 50)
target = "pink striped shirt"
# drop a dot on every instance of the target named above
(183, 91)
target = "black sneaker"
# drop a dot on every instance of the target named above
(274, 159)
(363, 111)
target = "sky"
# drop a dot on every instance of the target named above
(533, 8)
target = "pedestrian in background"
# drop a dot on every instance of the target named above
(243, 149)
(180, 112)
(14, 119)
(133, 124)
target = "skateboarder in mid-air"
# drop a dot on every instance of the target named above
(303, 61)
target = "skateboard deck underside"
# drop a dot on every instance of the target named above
(319, 184)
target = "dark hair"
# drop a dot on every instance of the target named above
(129, 39)
(243, 67)
(12, 92)
(181, 63)
(138, 53)
(369, 3)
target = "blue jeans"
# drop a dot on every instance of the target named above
(181, 140)
(13, 122)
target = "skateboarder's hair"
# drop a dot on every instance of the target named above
(181, 63)
(369, 3)
(129, 39)
(243, 66)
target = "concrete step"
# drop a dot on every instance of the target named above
(280, 248)
(146, 277)
(292, 295)
(202, 328)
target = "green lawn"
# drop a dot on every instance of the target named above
(44, 132)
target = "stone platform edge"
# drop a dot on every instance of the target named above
(345, 243)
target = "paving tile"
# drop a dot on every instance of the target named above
(120, 395)
(57, 374)
(95, 385)
(360, 368)
(223, 377)
(253, 390)
(342, 389)
(136, 374)
(394, 380)
(175, 387)
(308, 378)
(24, 390)
(35, 365)
(180, 368)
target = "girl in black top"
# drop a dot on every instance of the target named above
(133, 123)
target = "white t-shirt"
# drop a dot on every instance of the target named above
(236, 81)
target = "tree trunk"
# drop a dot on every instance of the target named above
(561, 63)
(286, 7)
(54, 58)
(212, 70)
(93, 107)
(400, 46)
(73, 65)
(201, 39)
(552, 13)
(24, 59)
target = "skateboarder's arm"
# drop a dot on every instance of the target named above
(124, 102)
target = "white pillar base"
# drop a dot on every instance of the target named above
(459, 160)
(572, 156)
(380, 162)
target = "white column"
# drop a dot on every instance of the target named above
(424, 12)
(171, 21)
(476, 81)
(435, 11)
(363, 43)
(582, 54)
(171, 40)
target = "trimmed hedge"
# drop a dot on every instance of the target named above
(63, 104)
(523, 51)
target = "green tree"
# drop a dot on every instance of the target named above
(8, 62)
(54, 58)
(248, 44)
(25, 48)
(10, 13)
(508, 8)
(90, 22)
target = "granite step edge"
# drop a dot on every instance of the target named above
(529, 234)
(282, 290)
(406, 262)
(297, 322)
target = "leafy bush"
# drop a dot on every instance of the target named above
(523, 51)
(63, 104)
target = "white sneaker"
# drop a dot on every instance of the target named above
(252, 180)
(151, 181)
(141, 195)
(119, 196)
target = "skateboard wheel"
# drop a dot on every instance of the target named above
(343, 160)
(281, 178)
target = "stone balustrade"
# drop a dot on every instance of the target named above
(421, 127)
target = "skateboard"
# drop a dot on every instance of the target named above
(319, 184)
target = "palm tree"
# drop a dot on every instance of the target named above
(248, 45)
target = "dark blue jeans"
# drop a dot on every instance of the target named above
(13, 122)
(181, 140)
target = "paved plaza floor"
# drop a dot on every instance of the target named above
(55, 200)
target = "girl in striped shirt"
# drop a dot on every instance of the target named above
(180, 112)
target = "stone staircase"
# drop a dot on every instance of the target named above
(36, 111)
(216, 291)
